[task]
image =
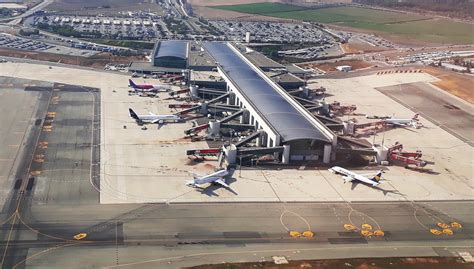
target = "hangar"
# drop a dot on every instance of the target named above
(282, 121)
(170, 54)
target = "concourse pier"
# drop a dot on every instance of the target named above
(278, 119)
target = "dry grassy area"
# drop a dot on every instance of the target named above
(457, 84)
(227, 2)
(216, 14)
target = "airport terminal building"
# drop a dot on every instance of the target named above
(257, 85)
(171, 54)
(282, 120)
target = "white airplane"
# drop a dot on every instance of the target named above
(153, 118)
(413, 122)
(217, 177)
(350, 176)
(148, 87)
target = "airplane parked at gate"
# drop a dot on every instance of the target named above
(153, 118)
(413, 122)
(148, 87)
(350, 176)
(218, 177)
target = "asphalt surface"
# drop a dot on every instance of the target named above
(440, 108)
(57, 198)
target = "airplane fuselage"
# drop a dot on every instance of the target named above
(349, 176)
(159, 118)
(198, 181)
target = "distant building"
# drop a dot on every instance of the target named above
(170, 54)
(247, 37)
(344, 68)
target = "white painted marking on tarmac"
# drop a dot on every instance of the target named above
(466, 256)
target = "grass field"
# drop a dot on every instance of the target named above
(408, 26)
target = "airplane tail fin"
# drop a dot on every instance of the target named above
(378, 176)
(231, 172)
(131, 83)
(133, 114)
(415, 117)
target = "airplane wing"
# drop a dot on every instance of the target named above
(222, 183)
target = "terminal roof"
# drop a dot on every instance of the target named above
(172, 48)
(266, 99)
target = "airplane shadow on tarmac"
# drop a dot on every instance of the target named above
(354, 185)
(210, 190)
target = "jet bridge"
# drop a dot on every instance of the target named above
(207, 125)
(204, 106)
(249, 138)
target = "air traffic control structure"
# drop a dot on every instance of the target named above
(278, 118)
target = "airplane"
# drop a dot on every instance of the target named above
(217, 177)
(350, 176)
(413, 122)
(153, 118)
(148, 87)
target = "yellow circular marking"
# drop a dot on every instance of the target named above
(366, 233)
(442, 225)
(349, 227)
(448, 231)
(308, 234)
(456, 225)
(80, 236)
(295, 234)
(367, 227)
(379, 233)
(435, 231)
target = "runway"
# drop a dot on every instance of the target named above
(150, 231)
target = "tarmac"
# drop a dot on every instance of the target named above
(178, 235)
(452, 115)
(39, 223)
(156, 158)
(17, 108)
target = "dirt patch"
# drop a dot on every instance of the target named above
(96, 61)
(358, 47)
(331, 66)
(369, 263)
(457, 84)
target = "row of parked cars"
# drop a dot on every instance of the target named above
(15, 42)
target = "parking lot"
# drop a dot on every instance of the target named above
(274, 32)
(15, 42)
(150, 165)
(109, 27)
